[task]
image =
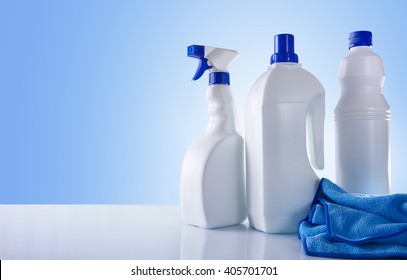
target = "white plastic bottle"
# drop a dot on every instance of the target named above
(284, 118)
(212, 177)
(362, 118)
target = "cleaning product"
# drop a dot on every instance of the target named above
(212, 177)
(356, 226)
(362, 118)
(284, 132)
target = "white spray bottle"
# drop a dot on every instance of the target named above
(212, 177)
(284, 136)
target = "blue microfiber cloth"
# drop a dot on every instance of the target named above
(357, 226)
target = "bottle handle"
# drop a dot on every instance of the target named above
(315, 131)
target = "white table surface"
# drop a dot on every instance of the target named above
(129, 232)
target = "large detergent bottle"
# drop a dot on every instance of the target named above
(212, 177)
(284, 136)
(362, 118)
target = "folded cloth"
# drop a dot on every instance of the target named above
(357, 226)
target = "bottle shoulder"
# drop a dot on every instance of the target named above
(202, 149)
(286, 83)
(210, 141)
(361, 61)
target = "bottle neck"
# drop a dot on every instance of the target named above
(284, 65)
(356, 48)
(221, 110)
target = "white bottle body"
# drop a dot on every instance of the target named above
(284, 116)
(362, 118)
(212, 177)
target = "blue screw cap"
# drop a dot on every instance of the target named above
(284, 49)
(360, 38)
(219, 78)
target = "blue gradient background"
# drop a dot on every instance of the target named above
(97, 103)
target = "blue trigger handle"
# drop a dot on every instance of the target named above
(202, 67)
(198, 51)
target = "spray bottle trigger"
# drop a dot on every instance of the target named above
(202, 67)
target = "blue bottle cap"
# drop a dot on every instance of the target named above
(219, 78)
(360, 38)
(284, 49)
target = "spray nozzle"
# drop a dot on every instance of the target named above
(215, 59)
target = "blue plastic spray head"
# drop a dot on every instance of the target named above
(284, 49)
(216, 60)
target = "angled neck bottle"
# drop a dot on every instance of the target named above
(212, 175)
